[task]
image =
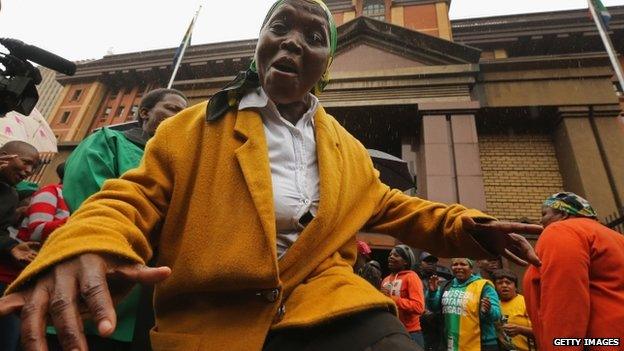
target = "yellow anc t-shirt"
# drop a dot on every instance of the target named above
(516, 312)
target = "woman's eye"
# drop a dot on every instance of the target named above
(317, 38)
(278, 28)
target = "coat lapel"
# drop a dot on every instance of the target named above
(253, 158)
(329, 161)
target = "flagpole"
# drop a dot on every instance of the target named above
(608, 45)
(186, 43)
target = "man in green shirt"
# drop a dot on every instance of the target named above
(107, 154)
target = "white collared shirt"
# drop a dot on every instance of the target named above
(293, 162)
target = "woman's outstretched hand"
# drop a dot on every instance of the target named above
(501, 238)
(79, 286)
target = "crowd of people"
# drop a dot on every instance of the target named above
(244, 211)
(575, 292)
(105, 154)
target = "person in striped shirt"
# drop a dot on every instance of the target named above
(46, 212)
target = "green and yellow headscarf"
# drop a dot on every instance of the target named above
(231, 94)
(571, 203)
(471, 262)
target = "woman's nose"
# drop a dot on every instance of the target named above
(292, 43)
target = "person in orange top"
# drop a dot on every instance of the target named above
(406, 289)
(578, 291)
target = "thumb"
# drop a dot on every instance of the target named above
(468, 224)
(12, 303)
(33, 245)
(140, 273)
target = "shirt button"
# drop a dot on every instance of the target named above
(306, 201)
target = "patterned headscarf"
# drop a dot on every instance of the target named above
(570, 203)
(231, 94)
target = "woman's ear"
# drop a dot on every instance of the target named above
(143, 114)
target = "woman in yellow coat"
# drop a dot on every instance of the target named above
(252, 202)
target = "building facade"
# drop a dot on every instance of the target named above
(496, 113)
(49, 91)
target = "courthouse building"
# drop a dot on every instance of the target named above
(496, 113)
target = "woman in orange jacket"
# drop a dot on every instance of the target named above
(578, 292)
(405, 288)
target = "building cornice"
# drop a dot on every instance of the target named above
(497, 30)
(340, 5)
(430, 49)
(217, 58)
(567, 61)
(418, 2)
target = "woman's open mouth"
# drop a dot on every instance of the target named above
(286, 65)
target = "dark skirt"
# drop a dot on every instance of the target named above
(373, 330)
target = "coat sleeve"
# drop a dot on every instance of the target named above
(414, 302)
(494, 314)
(6, 244)
(564, 283)
(433, 300)
(118, 219)
(41, 215)
(427, 225)
(8, 200)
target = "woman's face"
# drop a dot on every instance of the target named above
(396, 263)
(550, 215)
(292, 51)
(165, 108)
(506, 288)
(461, 269)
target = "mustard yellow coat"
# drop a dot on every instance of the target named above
(202, 199)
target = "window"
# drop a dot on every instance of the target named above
(120, 110)
(65, 117)
(375, 9)
(76, 95)
(113, 94)
(142, 90)
(107, 113)
(134, 110)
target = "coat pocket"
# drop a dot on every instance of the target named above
(174, 341)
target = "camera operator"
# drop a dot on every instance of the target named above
(17, 162)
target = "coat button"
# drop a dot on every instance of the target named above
(270, 295)
(281, 311)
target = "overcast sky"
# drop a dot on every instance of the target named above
(88, 29)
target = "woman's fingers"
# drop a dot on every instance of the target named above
(64, 312)
(34, 314)
(96, 296)
(519, 245)
(12, 303)
(139, 273)
(513, 258)
(502, 238)
(7, 157)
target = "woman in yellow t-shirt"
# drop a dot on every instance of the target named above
(513, 309)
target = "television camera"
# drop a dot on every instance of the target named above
(18, 78)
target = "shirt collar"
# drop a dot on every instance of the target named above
(257, 98)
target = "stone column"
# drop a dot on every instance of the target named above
(449, 167)
(471, 191)
(582, 166)
(436, 176)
